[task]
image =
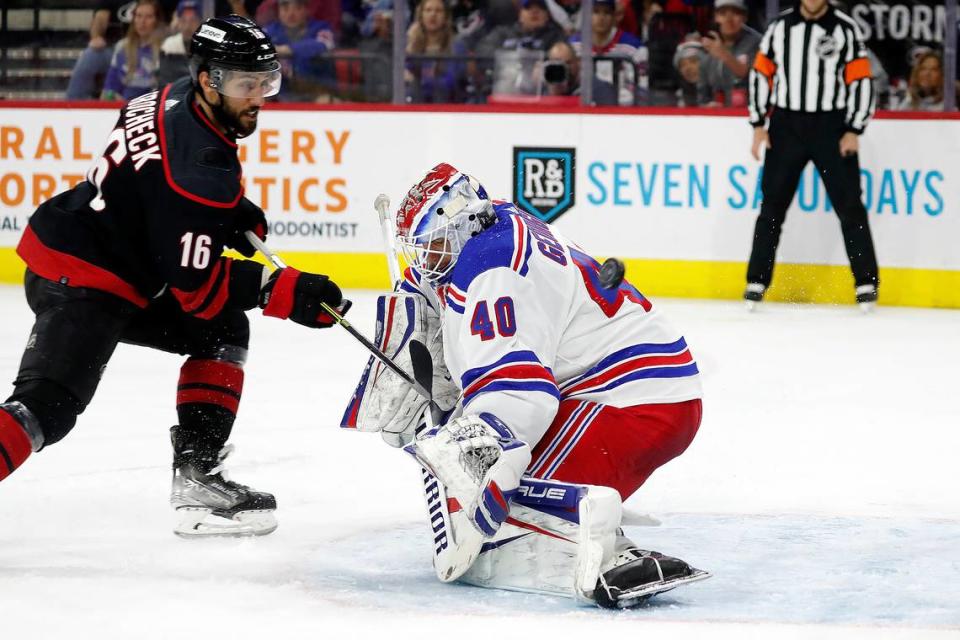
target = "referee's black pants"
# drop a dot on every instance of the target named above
(797, 138)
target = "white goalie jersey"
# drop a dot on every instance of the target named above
(526, 324)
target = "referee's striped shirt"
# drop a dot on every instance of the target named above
(812, 66)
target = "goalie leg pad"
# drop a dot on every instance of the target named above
(554, 541)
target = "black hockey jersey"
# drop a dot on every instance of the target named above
(153, 214)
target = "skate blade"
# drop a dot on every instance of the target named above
(634, 597)
(200, 522)
(866, 308)
(751, 305)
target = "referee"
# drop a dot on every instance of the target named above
(812, 71)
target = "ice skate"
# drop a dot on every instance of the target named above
(208, 503)
(637, 575)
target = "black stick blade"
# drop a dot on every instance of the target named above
(612, 272)
(422, 363)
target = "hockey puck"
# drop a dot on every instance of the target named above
(612, 272)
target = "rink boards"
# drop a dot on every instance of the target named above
(674, 195)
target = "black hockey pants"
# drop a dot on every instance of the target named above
(796, 139)
(75, 333)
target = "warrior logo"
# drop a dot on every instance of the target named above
(544, 180)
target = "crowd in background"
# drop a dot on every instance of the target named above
(691, 53)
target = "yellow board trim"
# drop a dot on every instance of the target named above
(823, 284)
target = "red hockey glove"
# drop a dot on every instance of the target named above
(247, 217)
(296, 295)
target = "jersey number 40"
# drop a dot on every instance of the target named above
(506, 320)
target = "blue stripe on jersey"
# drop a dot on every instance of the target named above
(471, 375)
(630, 352)
(491, 249)
(657, 372)
(515, 385)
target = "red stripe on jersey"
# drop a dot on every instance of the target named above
(203, 117)
(521, 237)
(208, 396)
(15, 446)
(166, 163)
(456, 295)
(213, 372)
(223, 292)
(192, 301)
(634, 364)
(522, 371)
(72, 271)
(453, 505)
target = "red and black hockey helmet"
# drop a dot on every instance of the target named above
(234, 44)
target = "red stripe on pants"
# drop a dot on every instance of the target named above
(624, 446)
(15, 444)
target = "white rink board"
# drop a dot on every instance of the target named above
(647, 186)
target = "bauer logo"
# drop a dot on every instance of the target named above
(544, 180)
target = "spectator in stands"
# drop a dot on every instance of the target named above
(533, 31)
(328, 11)
(299, 39)
(519, 48)
(623, 60)
(109, 19)
(689, 61)
(431, 34)
(133, 69)
(175, 50)
(925, 88)
(731, 48)
(562, 75)
(376, 47)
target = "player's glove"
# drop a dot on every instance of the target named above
(247, 217)
(479, 462)
(297, 295)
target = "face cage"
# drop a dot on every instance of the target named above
(245, 84)
(420, 252)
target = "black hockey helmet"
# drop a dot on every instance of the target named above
(234, 44)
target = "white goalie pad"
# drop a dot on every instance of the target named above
(556, 540)
(384, 402)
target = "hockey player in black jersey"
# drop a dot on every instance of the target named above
(133, 254)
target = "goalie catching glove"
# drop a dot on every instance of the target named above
(479, 462)
(384, 402)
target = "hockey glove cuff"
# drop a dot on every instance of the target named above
(296, 295)
(248, 217)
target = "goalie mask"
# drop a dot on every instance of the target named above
(438, 216)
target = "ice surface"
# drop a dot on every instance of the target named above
(822, 492)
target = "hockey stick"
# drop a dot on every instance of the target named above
(278, 262)
(382, 205)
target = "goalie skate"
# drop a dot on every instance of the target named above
(208, 503)
(639, 575)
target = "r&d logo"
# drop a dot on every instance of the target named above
(544, 180)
